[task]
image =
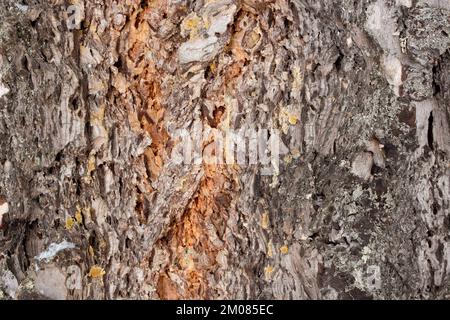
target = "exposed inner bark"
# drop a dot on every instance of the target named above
(94, 204)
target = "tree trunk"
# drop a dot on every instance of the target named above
(102, 198)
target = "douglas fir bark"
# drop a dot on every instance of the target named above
(97, 200)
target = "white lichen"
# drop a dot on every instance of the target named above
(212, 21)
(4, 208)
(22, 7)
(198, 50)
(9, 283)
(3, 90)
(53, 250)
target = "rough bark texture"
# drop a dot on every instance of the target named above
(93, 206)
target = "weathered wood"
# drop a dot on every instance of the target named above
(95, 204)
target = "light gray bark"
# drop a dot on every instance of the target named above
(93, 204)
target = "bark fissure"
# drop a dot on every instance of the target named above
(93, 96)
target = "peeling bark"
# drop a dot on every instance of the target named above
(94, 203)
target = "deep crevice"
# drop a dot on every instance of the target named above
(430, 131)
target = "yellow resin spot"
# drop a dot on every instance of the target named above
(287, 159)
(269, 249)
(79, 216)
(213, 67)
(265, 221)
(96, 272)
(268, 272)
(98, 116)
(191, 26)
(293, 119)
(284, 249)
(287, 118)
(192, 23)
(69, 223)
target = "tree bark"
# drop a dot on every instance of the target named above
(95, 205)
